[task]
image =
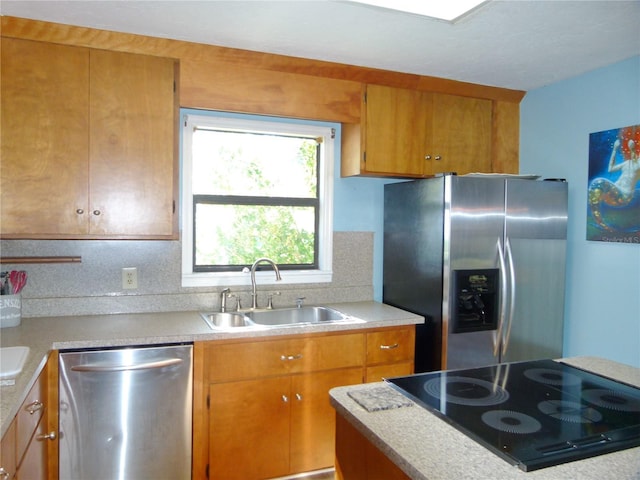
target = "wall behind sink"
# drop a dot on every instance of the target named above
(94, 286)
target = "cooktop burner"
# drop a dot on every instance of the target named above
(532, 414)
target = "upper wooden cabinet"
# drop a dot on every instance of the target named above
(88, 143)
(413, 133)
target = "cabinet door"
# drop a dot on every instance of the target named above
(44, 139)
(460, 135)
(133, 123)
(8, 452)
(30, 414)
(313, 417)
(396, 130)
(34, 462)
(249, 429)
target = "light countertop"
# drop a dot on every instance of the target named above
(44, 334)
(426, 447)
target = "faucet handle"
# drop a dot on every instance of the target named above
(300, 301)
(270, 300)
(238, 302)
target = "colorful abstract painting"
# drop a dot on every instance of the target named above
(613, 203)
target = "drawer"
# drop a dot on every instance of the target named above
(379, 372)
(246, 360)
(30, 413)
(391, 345)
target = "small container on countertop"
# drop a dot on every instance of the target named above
(10, 310)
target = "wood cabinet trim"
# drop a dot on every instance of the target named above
(73, 35)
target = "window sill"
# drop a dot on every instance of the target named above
(227, 279)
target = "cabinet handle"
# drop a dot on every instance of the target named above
(47, 436)
(34, 407)
(298, 397)
(4, 475)
(438, 157)
(79, 211)
(96, 212)
(389, 347)
(286, 358)
(285, 399)
(427, 157)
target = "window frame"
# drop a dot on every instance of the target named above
(329, 154)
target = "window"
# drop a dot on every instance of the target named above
(256, 187)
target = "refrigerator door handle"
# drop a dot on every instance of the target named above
(497, 338)
(512, 295)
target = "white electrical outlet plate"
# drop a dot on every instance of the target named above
(129, 278)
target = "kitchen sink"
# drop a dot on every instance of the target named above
(295, 316)
(226, 319)
(280, 317)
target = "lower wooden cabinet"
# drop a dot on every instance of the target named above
(358, 459)
(262, 408)
(312, 418)
(249, 429)
(29, 447)
(8, 453)
(272, 427)
(390, 353)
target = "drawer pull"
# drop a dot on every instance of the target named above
(286, 358)
(47, 436)
(389, 347)
(4, 475)
(34, 407)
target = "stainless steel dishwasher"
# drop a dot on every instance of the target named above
(126, 413)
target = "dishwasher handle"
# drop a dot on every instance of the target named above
(124, 368)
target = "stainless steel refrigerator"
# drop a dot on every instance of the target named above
(482, 258)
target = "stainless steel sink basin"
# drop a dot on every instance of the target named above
(280, 317)
(226, 319)
(296, 316)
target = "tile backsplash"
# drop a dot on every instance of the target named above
(94, 286)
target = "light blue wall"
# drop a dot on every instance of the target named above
(359, 206)
(603, 279)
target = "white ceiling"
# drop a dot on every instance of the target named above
(518, 44)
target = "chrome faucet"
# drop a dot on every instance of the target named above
(254, 294)
(223, 299)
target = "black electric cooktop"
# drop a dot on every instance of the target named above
(532, 414)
